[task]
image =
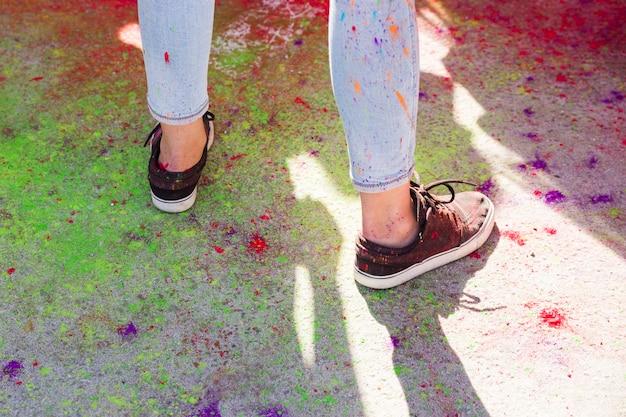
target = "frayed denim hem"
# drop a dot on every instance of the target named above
(178, 120)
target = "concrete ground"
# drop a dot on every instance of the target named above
(246, 305)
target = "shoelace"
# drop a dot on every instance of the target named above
(430, 202)
(152, 134)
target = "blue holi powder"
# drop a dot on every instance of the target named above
(343, 16)
(554, 196)
(601, 198)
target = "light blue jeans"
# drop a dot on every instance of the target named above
(374, 69)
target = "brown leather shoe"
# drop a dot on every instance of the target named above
(450, 227)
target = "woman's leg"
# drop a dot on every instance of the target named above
(375, 74)
(176, 38)
(406, 230)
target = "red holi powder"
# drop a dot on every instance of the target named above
(550, 230)
(257, 244)
(265, 217)
(474, 255)
(167, 57)
(514, 236)
(10, 270)
(235, 157)
(218, 249)
(36, 79)
(298, 100)
(552, 317)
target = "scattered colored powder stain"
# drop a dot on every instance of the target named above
(357, 87)
(12, 369)
(404, 106)
(592, 162)
(218, 249)
(514, 236)
(475, 255)
(395, 342)
(127, 331)
(554, 196)
(486, 187)
(257, 244)
(167, 57)
(552, 317)
(601, 198)
(274, 412)
(528, 112)
(550, 230)
(10, 270)
(394, 31)
(212, 410)
(298, 100)
(539, 163)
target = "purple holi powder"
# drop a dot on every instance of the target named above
(395, 341)
(274, 412)
(617, 95)
(212, 410)
(592, 162)
(127, 331)
(298, 42)
(487, 187)
(554, 196)
(539, 164)
(528, 112)
(532, 136)
(601, 198)
(12, 369)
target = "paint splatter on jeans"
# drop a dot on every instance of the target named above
(375, 74)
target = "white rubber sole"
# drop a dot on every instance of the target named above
(175, 206)
(399, 278)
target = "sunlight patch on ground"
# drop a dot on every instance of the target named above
(130, 35)
(304, 315)
(370, 344)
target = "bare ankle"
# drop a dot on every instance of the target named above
(389, 217)
(182, 146)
